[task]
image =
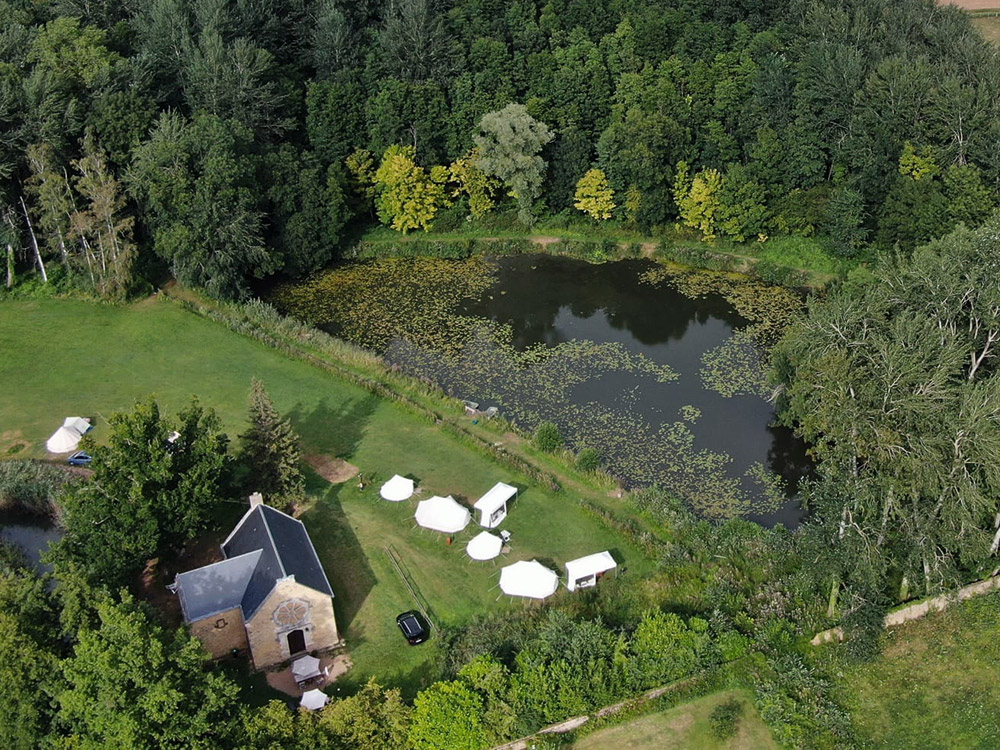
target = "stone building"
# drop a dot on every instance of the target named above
(269, 595)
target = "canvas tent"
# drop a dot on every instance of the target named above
(397, 489)
(492, 506)
(442, 514)
(583, 571)
(67, 437)
(484, 546)
(314, 699)
(528, 579)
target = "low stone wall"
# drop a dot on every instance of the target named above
(920, 609)
(578, 721)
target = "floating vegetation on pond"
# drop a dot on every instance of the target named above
(599, 394)
(690, 413)
(772, 486)
(737, 367)
(373, 303)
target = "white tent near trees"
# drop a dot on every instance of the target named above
(442, 514)
(314, 699)
(67, 437)
(583, 572)
(528, 579)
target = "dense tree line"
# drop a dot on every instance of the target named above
(893, 380)
(224, 141)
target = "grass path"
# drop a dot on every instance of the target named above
(67, 357)
(684, 727)
(934, 685)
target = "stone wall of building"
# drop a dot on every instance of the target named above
(268, 637)
(221, 633)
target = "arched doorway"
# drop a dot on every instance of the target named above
(296, 642)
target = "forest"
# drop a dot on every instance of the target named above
(221, 142)
(224, 143)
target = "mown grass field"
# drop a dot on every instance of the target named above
(934, 685)
(684, 727)
(64, 357)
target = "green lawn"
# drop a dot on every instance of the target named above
(684, 727)
(64, 357)
(935, 684)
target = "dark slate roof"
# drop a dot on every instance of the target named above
(285, 550)
(216, 587)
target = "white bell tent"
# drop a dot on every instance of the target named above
(67, 437)
(529, 579)
(397, 489)
(493, 505)
(484, 546)
(442, 514)
(583, 572)
(314, 699)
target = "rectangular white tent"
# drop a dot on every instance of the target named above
(583, 571)
(492, 506)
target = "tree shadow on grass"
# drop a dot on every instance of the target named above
(334, 430)
(341, 554)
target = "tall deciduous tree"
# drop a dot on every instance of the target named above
(894, 383)
(448, 716)
(406, 197)
(197, 184)
(133, 685)
(269, 451)
(594, 195)
(151, 490)
(510, 142)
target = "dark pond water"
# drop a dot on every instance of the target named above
(616, 362)
(32, 534)
(550, 300)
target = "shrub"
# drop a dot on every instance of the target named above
(547, 437)
(31, 486)
(725, 718)
(588, 459)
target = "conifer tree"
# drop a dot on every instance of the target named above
(269, 451)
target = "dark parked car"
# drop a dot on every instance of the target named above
(80, 458)
(414, 627)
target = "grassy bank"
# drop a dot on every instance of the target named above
(686, 727)
(65, 357)
(797, 261)
(934, 685)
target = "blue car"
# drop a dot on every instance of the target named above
(80, 458)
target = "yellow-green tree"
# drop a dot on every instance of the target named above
(361, 166)
(698, 200)
(473, 182)
(406, 196)
(594, 195)
(918, 163)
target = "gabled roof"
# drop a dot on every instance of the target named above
(216, 587)
(265, 547)
(286, 551)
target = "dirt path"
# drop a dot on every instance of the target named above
(973, 4)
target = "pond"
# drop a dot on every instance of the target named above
(31, 533)
(661, 371)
